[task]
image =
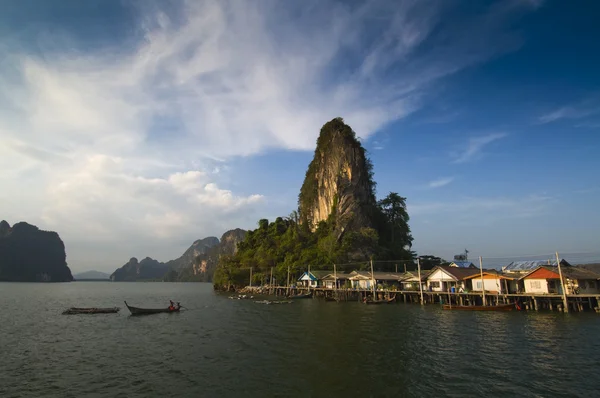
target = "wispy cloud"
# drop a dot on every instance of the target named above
(581, 110)
(475, 147)
(440, 182)
(116, 136)
(472, 208)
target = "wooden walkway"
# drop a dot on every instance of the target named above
(536, 302)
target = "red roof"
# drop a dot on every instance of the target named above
(543, 273)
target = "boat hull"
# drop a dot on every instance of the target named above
(503, 307)
(76, 311)
(300, 296)
(376, 302)
(149, 311)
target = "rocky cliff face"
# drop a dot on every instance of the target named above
(199, 247)
(135, 270)
(338, 181)
(28, 254)
(196, 264)
(205, 264)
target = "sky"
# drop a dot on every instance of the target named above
(133, 128)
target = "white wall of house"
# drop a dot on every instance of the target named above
(491, 285)
(536, 286)
(361, 283)
(437, 280)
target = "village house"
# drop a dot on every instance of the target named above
(410, 281)
(364, 279)
(495, 282)
(329, 280)
(546, 280)
(444, 278)
(312, 278)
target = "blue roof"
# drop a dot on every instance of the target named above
(314, 275)
(462, 264)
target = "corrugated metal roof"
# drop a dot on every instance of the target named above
(518, 266)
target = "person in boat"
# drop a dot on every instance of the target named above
(171, 305)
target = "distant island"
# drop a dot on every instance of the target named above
(91, 276)
(196, 264)
(28, 254)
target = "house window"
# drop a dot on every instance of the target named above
(478, 285)
(592, 284)
(434, 284)
(535, 284)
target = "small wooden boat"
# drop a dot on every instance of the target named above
(501, 307)
(148, 311)
(93, 310)
(273, 302)
(327, 298)
(384, 301)
(300, 296)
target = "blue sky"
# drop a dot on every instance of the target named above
(134, 128)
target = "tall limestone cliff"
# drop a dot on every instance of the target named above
(339, 221)
(338, 182)
(28, 254)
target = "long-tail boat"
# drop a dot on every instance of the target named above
(148, 311)
(501, 307)
(301, 296)
(93, 310)
(384, 301)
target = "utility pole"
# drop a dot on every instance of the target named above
(562, 284)
(420, 284)
(271, 278)
(482, 285)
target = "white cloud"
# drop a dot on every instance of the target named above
(580, 111)
(475, 147)
(117, 144)
(440, 182)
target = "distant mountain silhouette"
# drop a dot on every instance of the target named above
(91, 275)
(28, 254)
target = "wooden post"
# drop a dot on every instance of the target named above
(271, 279)
(373, 278)
(420, 283)
(288, 279)
(397, 268)
(250, 276)
(335, 281)
(562, 283)
(482, 283)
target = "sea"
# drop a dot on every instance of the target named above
(217, 347)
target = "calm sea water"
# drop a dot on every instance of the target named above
(231, 348)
